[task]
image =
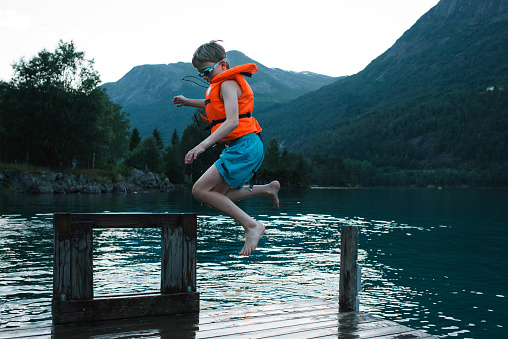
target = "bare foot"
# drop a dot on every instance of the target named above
(252, 236)
(274, 193)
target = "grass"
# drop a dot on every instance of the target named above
(20, 167)
(101, 176)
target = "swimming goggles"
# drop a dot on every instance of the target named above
(209, 70)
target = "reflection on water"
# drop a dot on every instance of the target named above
(297, 259)
(126, 260)
(430, 259)
(26, 268)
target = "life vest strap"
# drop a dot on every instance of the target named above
(220, 121)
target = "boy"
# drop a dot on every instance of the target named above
(228, 105)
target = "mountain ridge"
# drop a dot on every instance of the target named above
(434, 101)
(146, 91)
(451, 52)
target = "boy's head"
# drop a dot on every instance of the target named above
(209, 52)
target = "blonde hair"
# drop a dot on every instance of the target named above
(209, 52)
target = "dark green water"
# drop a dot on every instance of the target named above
(431, 259)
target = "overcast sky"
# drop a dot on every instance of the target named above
(332, 37)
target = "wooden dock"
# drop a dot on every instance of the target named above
(175, 312)
(304, 319)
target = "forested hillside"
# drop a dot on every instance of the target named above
(432, 109)
(146, 92)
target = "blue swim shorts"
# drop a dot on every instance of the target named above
(240, 160)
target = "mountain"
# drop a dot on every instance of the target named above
(146, 92)
(437, 99)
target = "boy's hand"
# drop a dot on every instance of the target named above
(193, 154)
(180, 101)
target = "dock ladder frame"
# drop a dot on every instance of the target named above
(73, 297)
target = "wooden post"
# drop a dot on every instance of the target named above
(81, 261)
(189, 223)
(348, 281)
(178, 256)
(62, 257)
(73, 299)
(172, 260)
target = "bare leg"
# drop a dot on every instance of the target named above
(211, 189)
(271, 190)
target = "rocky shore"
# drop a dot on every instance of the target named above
(48, 182)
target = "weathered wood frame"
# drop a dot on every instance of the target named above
(73, 299)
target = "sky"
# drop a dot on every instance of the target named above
(331, 37)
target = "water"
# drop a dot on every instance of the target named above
(431, 259)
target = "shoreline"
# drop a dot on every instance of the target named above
(49, 182)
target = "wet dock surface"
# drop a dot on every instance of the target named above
(304, 319)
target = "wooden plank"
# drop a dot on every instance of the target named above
(62, 256)
(386, 330)
(275, 330)
(348, 270)
(172, 260)
(362, 325)
(179, 256)
(189, 266)
(81, 262)
(301, 317)
(129, 220)
(126, 307)
(27, 332)
(172, 326)
(226, 314)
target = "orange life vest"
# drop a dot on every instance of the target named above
(214, 107)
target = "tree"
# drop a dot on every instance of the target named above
(146, 155)
(135, 139)
(272, 156)
(173, 164)
(173, 160)
(54, 114)
(112, 130)
(157, 135)
(270, 169)
(174, 138)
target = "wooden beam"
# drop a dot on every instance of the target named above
(129, 220)
(189, 223)
(172, 259)
(62, 256)
(348, 283)
(124, 307)
(81, 262)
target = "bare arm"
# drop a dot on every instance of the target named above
(180, 101)
(230, 92)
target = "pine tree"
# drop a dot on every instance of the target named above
(175, 139)
(158, 139)
(134, 140)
